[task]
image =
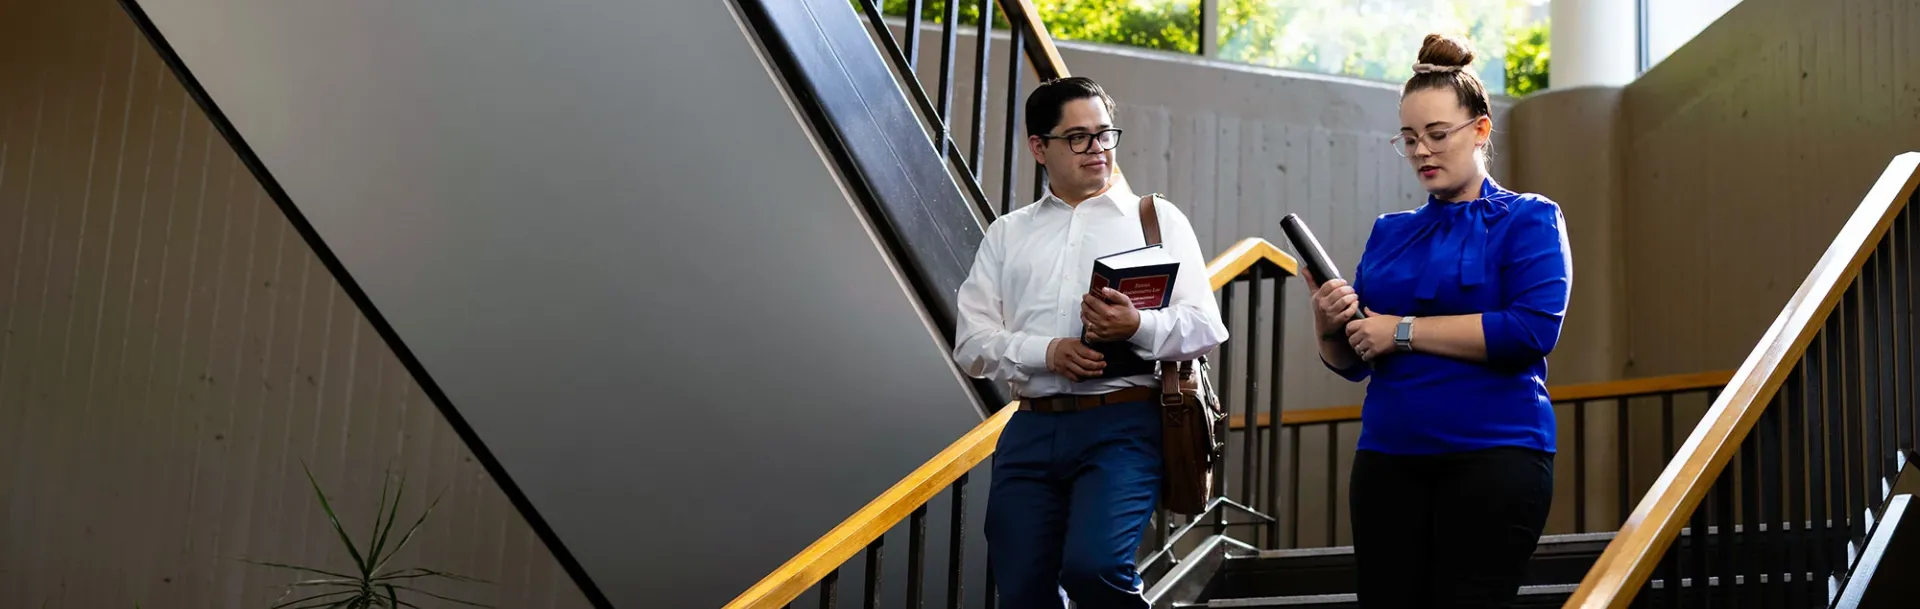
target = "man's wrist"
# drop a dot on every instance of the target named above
(1143, 331)
(1035, 352)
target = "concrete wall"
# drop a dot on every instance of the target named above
(1700, 195)
(1745, 151)
(174, 354)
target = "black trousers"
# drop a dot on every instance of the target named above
(1449, 530)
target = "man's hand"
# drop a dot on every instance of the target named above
(1108, 315)
(1069, 358)
(1372, 336)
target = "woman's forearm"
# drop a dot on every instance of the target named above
(1337, 352)
(1456, 336)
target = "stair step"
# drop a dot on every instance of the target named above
(1530, 596)
(1559, 559)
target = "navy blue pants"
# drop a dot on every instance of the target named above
(1071, 496)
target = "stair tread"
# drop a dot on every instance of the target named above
(1545, 541)
(1323, 599)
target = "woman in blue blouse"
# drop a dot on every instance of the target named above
(1464, 298)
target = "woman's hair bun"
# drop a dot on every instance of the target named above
(1445, 51)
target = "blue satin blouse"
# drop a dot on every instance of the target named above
(1503, 255)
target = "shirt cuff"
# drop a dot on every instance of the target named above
(1031, 354)
(1148, 334)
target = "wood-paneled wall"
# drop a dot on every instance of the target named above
(173, 354)
(1745, 151)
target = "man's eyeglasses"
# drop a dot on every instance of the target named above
(1407, 144)
(1083, 143)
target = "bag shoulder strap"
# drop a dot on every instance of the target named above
(1169, 371)
(1150, 218)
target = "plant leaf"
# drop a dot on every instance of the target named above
(410, 530)
(373, 537)
(380, 541)
(290, 604)
(350, 583)
(334, 519)
(318, 603)
(444, 598)
(417, 572)
(297, 568)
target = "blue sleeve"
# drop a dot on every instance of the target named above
(1356, 374)
(1537, 279)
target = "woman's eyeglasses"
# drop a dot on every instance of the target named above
(1437, 140)
(1083, 143)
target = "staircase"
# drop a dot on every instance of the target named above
(1813, 433)
(1739, 516)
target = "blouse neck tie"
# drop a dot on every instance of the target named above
(1462, 227)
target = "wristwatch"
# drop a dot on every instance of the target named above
(1403, 335)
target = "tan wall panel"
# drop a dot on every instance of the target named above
(174, 352)
(1745, 151)
(1568, 152)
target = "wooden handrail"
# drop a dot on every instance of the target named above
(1561, 394)
(857, 531)
(1046, 59)
(1243, 255)
(852, 535)
(1654, 524)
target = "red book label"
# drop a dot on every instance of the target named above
(1146, 292)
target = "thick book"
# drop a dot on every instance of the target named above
(1145, 276)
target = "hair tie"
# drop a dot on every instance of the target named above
(1423, 68)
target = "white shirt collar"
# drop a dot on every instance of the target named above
(1118, 195)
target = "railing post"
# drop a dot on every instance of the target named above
(1226, 399)
(949, 38)
(1209, 28)
(1279, 317)
(1250, 440)
(1010, 155)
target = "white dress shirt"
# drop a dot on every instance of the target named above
(1034, 265)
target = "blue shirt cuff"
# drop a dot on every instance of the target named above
(1355, 374)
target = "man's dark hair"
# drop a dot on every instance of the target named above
(1045, 103)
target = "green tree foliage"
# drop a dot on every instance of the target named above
(1172, 25)
(1375, 39)
(1528, 59)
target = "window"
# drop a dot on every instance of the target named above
(1379, 39)
(1376, 39)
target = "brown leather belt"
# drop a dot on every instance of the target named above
(1074, 403)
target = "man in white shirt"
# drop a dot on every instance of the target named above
(1077, 471)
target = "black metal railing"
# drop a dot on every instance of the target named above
(1247, 372)
(938, 112)
(1643, 413)
(1783, 519)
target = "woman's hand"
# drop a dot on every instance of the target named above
(1372, 336)
(1334, 304)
